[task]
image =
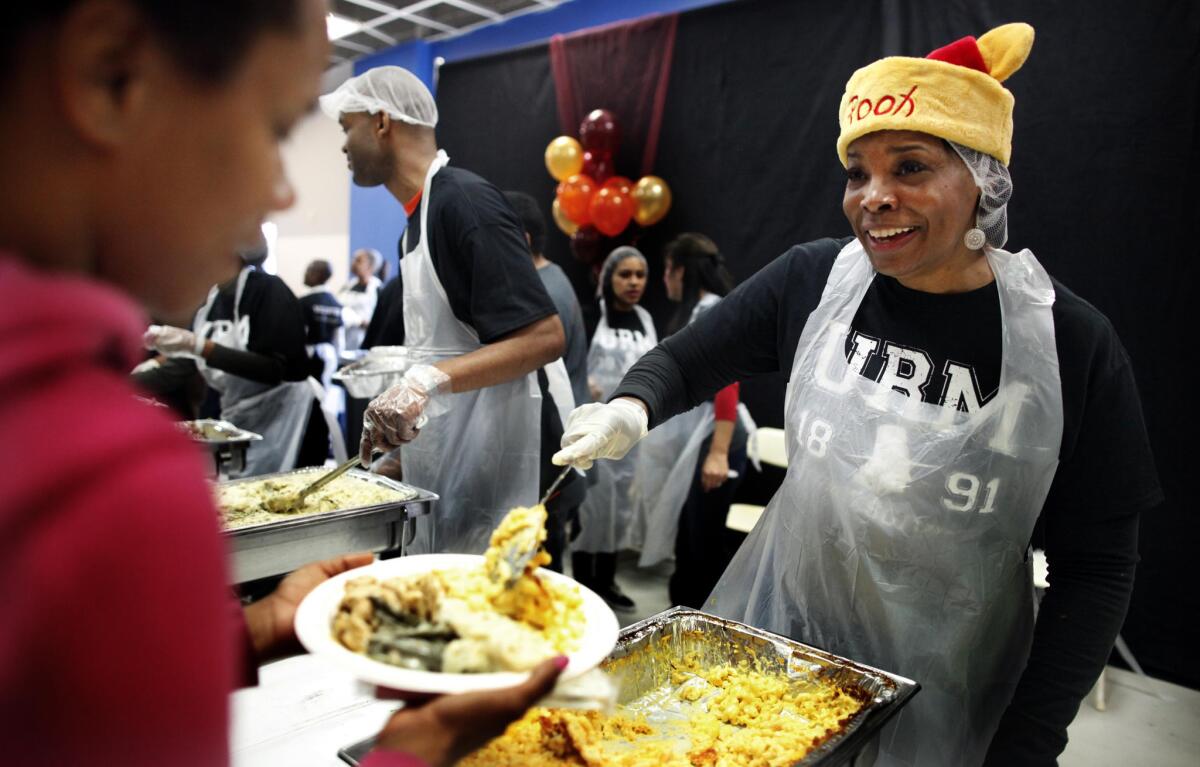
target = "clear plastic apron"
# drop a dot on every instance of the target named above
(899, 536)
(482, 454)
(279, 413)
(606, 518)
(665, 471)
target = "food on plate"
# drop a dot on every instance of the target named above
(721, 715)
(464, 620)
(250, 503)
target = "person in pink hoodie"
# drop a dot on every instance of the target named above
(139, 147)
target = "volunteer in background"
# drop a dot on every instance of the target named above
(359, 296)
(324, 339)
(564, 507)
(248, 343)
(707, 450)
(606, 518)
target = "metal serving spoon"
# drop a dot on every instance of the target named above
(523, 545)
(290, 503)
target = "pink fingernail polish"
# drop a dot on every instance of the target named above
(561, 662)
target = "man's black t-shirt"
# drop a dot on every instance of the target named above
(478, 249)
(1105, 478)
(322, 316)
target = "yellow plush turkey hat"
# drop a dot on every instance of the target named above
(953, 93)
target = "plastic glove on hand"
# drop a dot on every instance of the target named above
(601, 431)
(172, 341)
(397, 415)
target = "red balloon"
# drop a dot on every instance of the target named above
(597, 166)
(611, 211)
(599, 133)
(574, 196)
(624, 186)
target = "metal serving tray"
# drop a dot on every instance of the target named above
(641, 662)
(227, 442)
(273, 548)
(380, 369)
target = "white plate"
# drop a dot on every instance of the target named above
(314, 627)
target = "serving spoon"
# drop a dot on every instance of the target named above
(283, 504)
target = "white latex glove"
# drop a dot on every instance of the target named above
(172, 341)
(397, 415)
(147, 366)
(601, 431)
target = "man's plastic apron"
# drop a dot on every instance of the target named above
(279, 413)
(482, 454)
(606, 518)
(899, 537)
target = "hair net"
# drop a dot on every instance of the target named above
(375, 257)
(393, 90)
(995, 187)
(610, 264)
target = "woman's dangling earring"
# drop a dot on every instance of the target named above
(975, 239)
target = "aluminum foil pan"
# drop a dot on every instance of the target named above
(379, 370)
(641, 662)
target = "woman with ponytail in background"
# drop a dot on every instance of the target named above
(699, 457)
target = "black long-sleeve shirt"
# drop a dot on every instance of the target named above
(1106, 473)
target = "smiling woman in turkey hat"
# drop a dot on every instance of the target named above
(944, 396)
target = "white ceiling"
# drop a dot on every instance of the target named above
(390, 22)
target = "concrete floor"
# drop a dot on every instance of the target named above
(1146, 722)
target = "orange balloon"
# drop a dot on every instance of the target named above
(566, 225)
(564, 157)
(652, 198)
(610, 211)
(574, 196)
(625, 187)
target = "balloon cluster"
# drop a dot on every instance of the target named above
(591, 200)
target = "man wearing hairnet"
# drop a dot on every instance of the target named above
(473, 408)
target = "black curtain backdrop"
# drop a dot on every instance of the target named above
(1104, 156)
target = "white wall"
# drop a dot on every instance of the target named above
(318, 225)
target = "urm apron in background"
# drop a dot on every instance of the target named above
(278, 412)
(606, 518)
(482, 454)
(899, 536)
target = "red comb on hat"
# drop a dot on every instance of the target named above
(964, 52)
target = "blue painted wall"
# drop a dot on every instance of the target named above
(376, 218)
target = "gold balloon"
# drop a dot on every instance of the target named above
(653, 199)
(564, 157)
(567, 226)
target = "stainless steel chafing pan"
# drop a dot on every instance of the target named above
(263, 550)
